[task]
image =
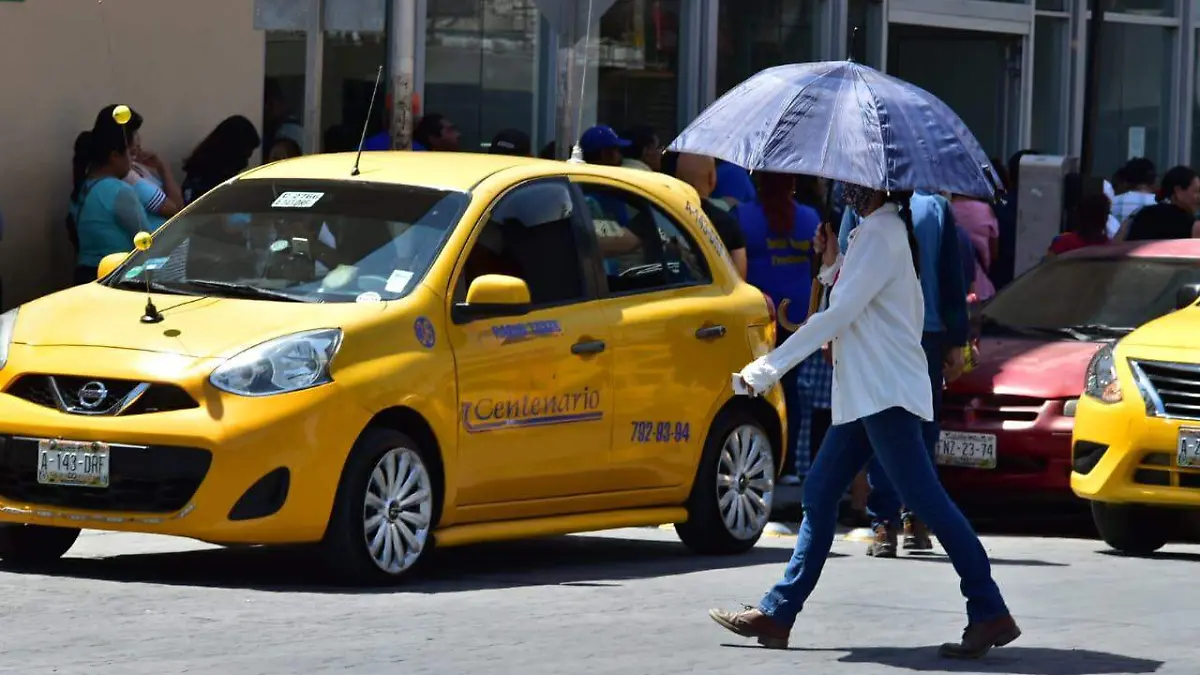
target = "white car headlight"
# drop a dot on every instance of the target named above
(8, 321)
(285, 364)
(1101, 381)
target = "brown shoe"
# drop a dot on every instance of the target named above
(979, 638)
(884, 544)
(916, 534)
(752, 623)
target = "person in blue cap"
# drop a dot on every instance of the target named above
(601, 145)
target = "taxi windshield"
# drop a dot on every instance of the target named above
(298, 240)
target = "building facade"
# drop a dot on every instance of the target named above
(1013, 70)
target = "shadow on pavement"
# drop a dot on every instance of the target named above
(1180, 556)
(567, 561)
(1006, 661)
(1015, 562)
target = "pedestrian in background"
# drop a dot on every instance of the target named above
(1089, 226)
(223, 154)
(104, 208)
(733, 185)
(151, 178)
(1174, 217)
(880, 398)
(700, 172)
(601, 145)
(1141, 179)
(511, 142)
(435, 132)
(644, 151)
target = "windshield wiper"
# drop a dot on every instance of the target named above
(1102, 329)
(140, 285)
(248, 290)
(1054, 331)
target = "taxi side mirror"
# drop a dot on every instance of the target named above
(492, 295)
(109, 263)
(1187, 295)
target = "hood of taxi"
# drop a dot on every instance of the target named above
(198, 326)
(1177, 329)
(1033, 368)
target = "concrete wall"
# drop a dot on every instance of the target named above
(184, 65)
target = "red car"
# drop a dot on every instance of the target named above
(1006, 426)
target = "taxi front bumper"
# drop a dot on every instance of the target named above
(183, 471)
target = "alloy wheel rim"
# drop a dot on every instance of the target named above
(745, 482)
(397, 510)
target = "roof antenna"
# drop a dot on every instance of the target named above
(577, 151)
(367, 122)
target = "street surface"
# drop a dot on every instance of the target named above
(628, 601)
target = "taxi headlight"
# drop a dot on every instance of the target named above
(285, 364)
(1101, 382)
(8, 321)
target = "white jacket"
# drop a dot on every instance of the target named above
(875, 318)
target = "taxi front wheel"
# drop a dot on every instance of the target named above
(35, 544)
(730, 502)
(383, 514)
(1134, 529)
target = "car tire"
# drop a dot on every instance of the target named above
(25, 545)
(1133, 529)
(388, 500)
(736, 472)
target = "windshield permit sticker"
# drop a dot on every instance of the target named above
(155, 263)
(296, 200)
(397, 282)
(423, 328)
(133, 272)
(369, 296)
(520, 332)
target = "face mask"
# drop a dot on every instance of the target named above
(857, 197)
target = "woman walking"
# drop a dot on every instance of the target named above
(881, 395)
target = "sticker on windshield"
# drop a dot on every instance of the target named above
(398, 281)
(369, 296)
(296, 200)
(155, 263)
(133, 272)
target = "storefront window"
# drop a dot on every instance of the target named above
(1196, 109)
(1049, 84)
(864, 32)
(355, 48)
(481, 66)
(637, 66)
(283, 90)
(761, 34)
(1142, 7)
(1134, 95)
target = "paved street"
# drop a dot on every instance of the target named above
(628, 601)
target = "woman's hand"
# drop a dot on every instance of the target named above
(826, 245)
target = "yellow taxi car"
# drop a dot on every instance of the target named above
(1136, 441)
(443, 348)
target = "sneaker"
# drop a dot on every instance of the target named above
(916, 534)
(884, 543)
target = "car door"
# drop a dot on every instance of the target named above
(673, 332)
(535, 395)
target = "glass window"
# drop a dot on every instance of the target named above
(643, 249)
(1052, 5)
(299, 240)
(1143, 7)
(864, 32)
(531, 235)
(283, 91)
(761, 34)
(1089, 295)
(355, 48)
(481, 66)
(1049, 84)
(1134, 95)
(637, 77)
(1195, 109)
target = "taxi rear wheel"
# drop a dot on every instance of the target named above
(386, 505)
(731, 499)
(1133, 529)
(35, 544)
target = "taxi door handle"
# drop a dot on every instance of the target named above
(586, 347)
(710, 332)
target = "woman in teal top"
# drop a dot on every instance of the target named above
(106, 210)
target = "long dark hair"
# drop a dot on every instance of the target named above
(1176, 178)
(775, 193)
(226, 151)
(94, 149)
(1091, 218)
(808, 193)
(903, 200)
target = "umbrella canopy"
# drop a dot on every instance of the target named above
(843, 121)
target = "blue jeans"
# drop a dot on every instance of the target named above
(883, 504)
(896, 436)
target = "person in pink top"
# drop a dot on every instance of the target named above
(979, 221)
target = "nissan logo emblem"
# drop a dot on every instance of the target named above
(92, 394)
